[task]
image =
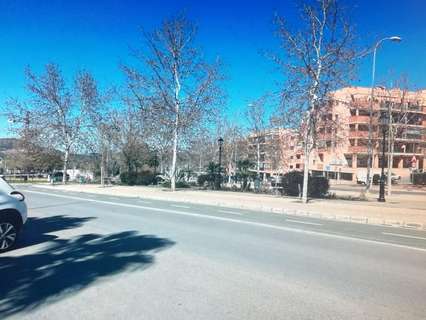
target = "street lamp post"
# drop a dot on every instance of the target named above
(219, 177)
(370, 130)
(384, 121)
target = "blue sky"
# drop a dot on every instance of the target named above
(96, 35)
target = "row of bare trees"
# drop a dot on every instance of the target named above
(171, 93)
(172, 96)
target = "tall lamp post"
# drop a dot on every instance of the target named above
(384, 122)
(219, 177)
(370, 128)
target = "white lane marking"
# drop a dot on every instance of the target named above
(304, 222)
(234, 220)
(231, 212)
(403, 235)
(143, 201)
(179, 206)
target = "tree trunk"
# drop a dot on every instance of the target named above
(66, 156)
(175, 144)
(258, 158)
(176, 126)
(390, 150)
(103, 168)
(390, 163)
(306, 172)
(369, 153)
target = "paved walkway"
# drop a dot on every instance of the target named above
(399, 210)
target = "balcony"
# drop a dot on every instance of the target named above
(359, 119)
(358, 134)
(358, 149)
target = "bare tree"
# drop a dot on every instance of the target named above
(129, 138)
(398, 103)
(318, 58)
(234, 147)
(177, 87)
(258, 121)
(97, 118)
(53, 112)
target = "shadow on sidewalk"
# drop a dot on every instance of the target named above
(66, 266)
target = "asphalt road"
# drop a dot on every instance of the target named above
(87, 256)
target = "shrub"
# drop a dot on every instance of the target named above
(293, 185)
(201, 179)
(419, 178)
(291, 182)
(318, 187)
(179, 184)
(143, 178)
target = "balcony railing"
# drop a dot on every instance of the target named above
(360, 119)
(358, 149)
(359, 134)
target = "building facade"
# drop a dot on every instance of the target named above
(341, 151)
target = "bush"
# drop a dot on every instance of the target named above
(419, 178)
(143, 178)
(293, 185)
(376, 179)
(210, 178)
(202, 179)
(318, 187)
(179, 184)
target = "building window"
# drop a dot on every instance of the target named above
(291, 166)
(362, 127)
(297, 166)
(363, 112)
(321, 156)
(348, 158)
(352, 142)
(361, 161)
(362, 142)
(298, 156)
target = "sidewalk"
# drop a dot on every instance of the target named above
(399, 210)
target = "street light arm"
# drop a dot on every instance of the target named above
(378, 43)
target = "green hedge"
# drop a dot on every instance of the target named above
(143, 178)
(293, 185)
(210, 179)
(419, 178)
(179, 184)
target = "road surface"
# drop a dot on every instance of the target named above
(85, 256)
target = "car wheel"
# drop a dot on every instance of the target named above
(8, 235)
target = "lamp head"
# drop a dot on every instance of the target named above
(395, 39)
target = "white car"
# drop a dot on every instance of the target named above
(13, 215)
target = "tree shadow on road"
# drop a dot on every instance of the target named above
(39, 230)
(65, 266)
